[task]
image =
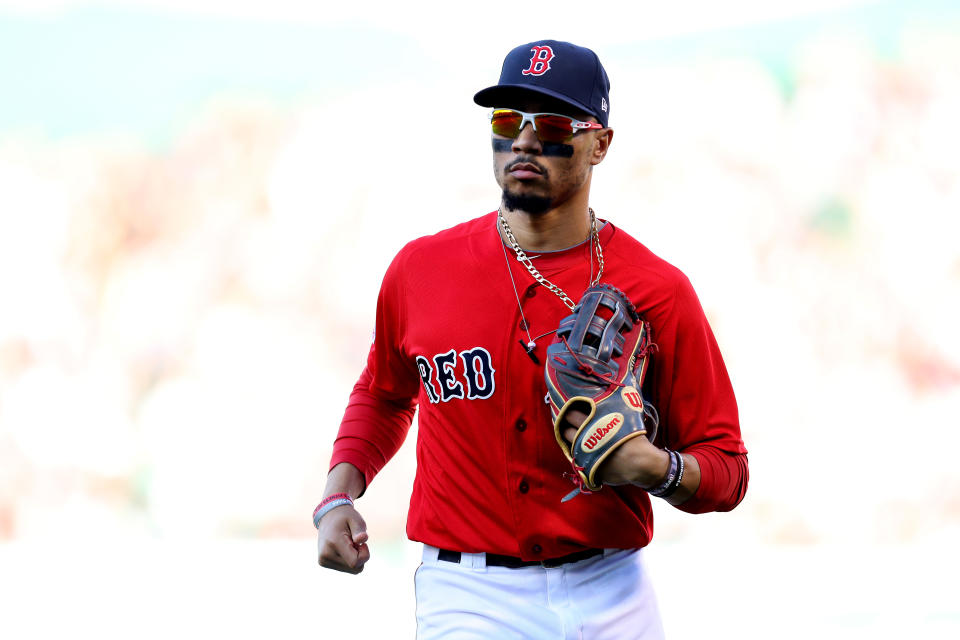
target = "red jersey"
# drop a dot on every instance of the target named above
(490, 476)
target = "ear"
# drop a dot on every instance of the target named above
(601, 145)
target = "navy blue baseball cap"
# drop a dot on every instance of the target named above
(552, 68)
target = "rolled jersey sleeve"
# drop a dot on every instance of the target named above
(699, 408)
(381, 407)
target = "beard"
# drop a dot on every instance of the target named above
(534, 205)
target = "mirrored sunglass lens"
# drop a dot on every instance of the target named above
(506, 123)
(554, 128)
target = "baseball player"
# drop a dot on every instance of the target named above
(537, 341)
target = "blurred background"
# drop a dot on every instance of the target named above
(198, 200)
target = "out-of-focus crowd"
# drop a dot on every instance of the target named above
(180, 328)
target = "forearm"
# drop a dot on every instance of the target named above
(345, 478)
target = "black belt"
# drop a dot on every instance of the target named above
(496, 560)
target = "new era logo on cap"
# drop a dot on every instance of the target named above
(553, 68)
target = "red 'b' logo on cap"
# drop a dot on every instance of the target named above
(540, 62)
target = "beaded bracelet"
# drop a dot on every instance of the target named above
(329, 503)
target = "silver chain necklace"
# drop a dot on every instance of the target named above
(522, 257)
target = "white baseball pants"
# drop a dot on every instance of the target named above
(606, 597)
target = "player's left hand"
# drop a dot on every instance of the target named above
(636, 461)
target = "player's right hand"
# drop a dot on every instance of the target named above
(342, 540)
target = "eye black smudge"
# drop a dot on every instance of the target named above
(556, 149)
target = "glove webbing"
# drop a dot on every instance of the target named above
(587, 369)
(608, 377)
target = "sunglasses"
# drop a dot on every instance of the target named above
(549, 127)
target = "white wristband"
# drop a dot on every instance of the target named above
(334, 501)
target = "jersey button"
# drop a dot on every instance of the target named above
(523, 325)
(524, 487)
(521, 425)
(531, 290)
(537, 548)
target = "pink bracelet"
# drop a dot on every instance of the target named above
(330, 502)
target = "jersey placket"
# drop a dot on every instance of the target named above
(527, 425)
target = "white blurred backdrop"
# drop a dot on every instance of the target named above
(198, 201)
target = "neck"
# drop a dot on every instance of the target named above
(555, 229)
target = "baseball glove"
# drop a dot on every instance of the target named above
(596, 364)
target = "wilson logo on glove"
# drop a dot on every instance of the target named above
(602, 430)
